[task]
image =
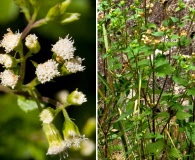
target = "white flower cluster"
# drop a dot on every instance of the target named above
(8, 78)
(47, 71)
(64, 48)
(10, 41)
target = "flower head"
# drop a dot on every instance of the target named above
(56, 143)
(76, 98)
(47, 115)
(64, 48)
(74, 65)
(10, 41)
(8, 78)
(32, 43)
(47, 71)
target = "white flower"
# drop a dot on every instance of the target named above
(74, 65)
(76, 98)
(32, 43)
(64, 48)
(47, 115)
(47, 71)
(8, 78)
(10, 40)
(6, 60)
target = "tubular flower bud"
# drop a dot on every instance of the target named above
(8, 78)
(71, 134)
(10, 41)
(32, 43)
(64, 48)
(56, 143)
(47, 71)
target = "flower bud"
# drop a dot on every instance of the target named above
(71, 134)
(64, 6)
(70, 17)
(76, 98)
(53, 12)
(70, 128)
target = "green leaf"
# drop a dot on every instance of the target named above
(184, 41)
(174, 19)
(191, 91)
(164, 70)
(151, 25)
(155, 148)
(182, 115)
(27, 104)
(103, 81)
(174, 152)
(25, 7)
(160, 60)
(144, 62)
(180, 80)
(158, 34)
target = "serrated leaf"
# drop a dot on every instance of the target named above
(155, 148)
(182, 115)
(174, 152)
(27, 104)
(164, 70)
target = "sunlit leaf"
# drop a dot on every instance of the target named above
(182, 115)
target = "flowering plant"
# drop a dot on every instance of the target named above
(63, 62)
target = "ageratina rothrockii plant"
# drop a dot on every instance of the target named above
(63, 62)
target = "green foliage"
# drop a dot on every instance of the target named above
(146, 80)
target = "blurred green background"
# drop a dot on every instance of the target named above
(21, 136)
